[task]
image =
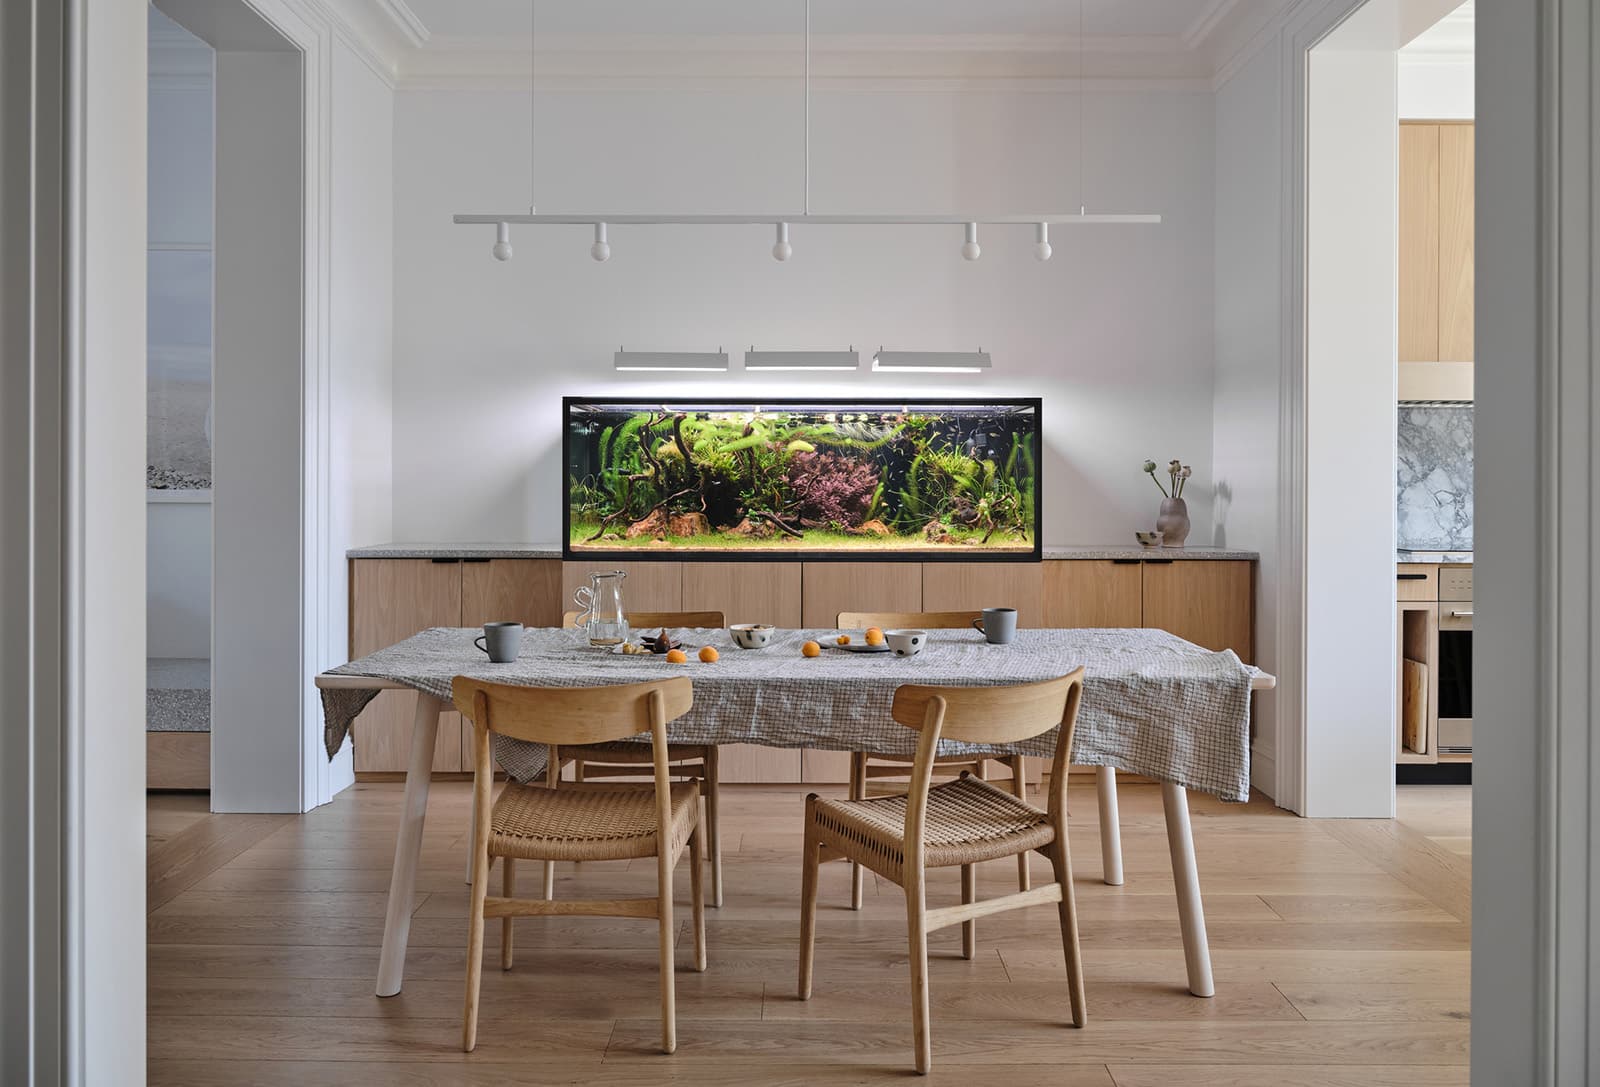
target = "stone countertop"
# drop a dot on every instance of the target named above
(553, 551)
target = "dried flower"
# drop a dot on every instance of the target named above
(1150, 469)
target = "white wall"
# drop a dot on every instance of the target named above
(1249, 287)
(1351, 207)
(178, 574)
(1115, 332)
(1436, 88)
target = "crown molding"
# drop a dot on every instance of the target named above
(1206, 23)
(405, 21)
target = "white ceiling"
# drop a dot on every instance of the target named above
(1113, 18)
(485, 44)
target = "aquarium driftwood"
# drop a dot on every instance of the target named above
(741, 478)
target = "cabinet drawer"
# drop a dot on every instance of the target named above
(1416, 581)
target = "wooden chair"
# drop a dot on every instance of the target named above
(955, 823)
(579, 822)
(625, 760)
(865, 765)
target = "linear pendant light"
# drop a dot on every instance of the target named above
(659, 362)
(802, 360)
(932, 362)
(781, 221)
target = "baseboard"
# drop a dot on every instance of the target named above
(1264, 773)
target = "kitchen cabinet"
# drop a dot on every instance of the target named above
(827, 588)
(973, 586)
(1211, 604)
(393, 599)
(649, 586)
(526, 591)
(1094, 593)
(1436, 241)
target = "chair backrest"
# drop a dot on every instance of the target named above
(987, 715)
(645, 620)
(571, 715)
(915, 620)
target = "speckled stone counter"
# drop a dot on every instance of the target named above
(553, 551)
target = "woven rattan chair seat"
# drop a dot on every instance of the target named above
(968, 821)
(623, 751)
(587, 822)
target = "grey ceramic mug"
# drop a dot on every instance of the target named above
(502, 641)
(999, 625)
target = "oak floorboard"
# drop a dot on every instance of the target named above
(1341, 954)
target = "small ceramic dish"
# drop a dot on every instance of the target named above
(1150, 539)
(751, 635)
(906, 643)
(856, 647)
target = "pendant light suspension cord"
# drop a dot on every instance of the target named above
(807, 193)
(533, 84)
(1082, 203)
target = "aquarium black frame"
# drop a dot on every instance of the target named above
(732, 403)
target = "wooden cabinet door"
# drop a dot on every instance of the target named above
(526, 591)
(1093, 593)
(1210, 603)
(749, 592)
(973, 586)
(390, 600)
(1419, 243)
(827, 588)
(649, 586)
(1456, 241)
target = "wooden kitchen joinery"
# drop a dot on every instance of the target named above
(1208, 601)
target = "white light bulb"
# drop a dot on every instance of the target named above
(970, 250)
(600, 251)
(782, 250)
(1041, 247)
(502, 242)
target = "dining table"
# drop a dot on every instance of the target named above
(1153, 704)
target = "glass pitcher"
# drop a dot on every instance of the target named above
(602, 617)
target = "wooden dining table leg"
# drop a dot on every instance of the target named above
(1186, 876)
(408, 845)
(1105, 787)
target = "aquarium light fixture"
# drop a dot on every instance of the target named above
(704, 362)
(802, 360)
(932, 362)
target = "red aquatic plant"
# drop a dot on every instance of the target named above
(830, 488)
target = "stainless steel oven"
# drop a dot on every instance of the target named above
(1455, 660)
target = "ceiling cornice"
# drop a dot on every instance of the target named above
(1206, 23)
(405, 21)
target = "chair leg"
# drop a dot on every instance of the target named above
(969, 894)
(917, 927)
(858, 791)
(669, 1010)
(810, 860)
(480, 891)
(714, 824)
(508, 888)
(549, 880)
(577, 769)
(1019, 785)
(697, 899)
(1061, 863)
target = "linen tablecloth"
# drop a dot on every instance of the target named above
(1153, 703)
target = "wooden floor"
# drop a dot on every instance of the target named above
(1340, 948)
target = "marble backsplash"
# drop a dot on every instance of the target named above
(1433, 477)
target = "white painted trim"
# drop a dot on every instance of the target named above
(405, 20)
(883, 83)
(1206, 23)
(177, 498)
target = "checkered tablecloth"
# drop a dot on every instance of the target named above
(1153, 703)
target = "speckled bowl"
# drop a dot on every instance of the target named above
(1150, 539)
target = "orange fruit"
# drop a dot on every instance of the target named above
(708, 654)
(677, 656)
(843, 639)
(874, 636)
(811, 649)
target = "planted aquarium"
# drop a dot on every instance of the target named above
(857, 479)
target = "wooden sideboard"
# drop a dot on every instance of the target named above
(1210, 602)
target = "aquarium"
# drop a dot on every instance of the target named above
(818, 479)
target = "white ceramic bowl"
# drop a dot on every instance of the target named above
(906, 643)
(750, 635)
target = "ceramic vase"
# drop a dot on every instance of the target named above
(1174, 521)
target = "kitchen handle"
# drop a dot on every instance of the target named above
(1461, 615)
(1411, 577)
